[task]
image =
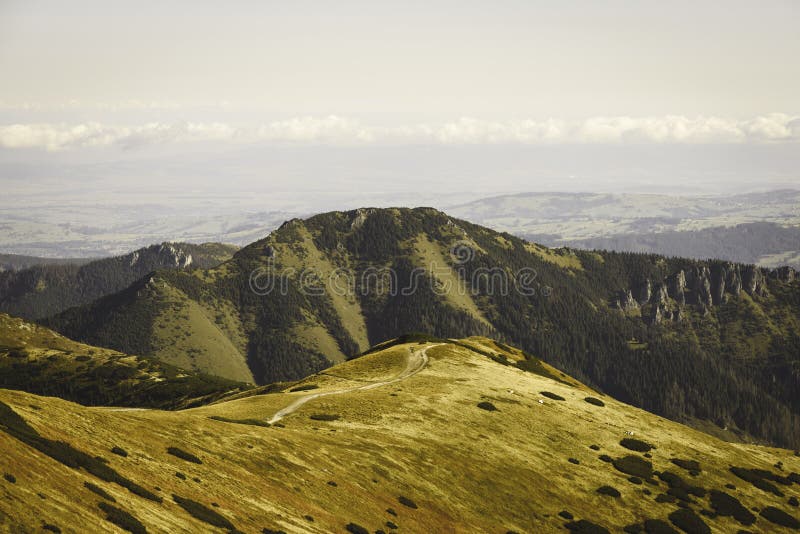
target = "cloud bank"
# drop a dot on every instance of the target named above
(337, 130)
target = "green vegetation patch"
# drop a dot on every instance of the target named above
(324, 417)
(728, 505)
(122, 519)
(595, 401)
(64, 453)
(693, 466)
(608, 490)
(779, 517)
(94, 488)
(405, 501)
(756, 478)
(203, 513)
(552, 396)
(584, 526)
(306, 387)
(688, 521)
(636, 445)
(183, 455)
(252, 422)
(634, 466)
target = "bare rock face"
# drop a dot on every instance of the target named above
(676, 287)
(785, 274)
(643, 292)
(753, 280)
(717, 284)
(626, 302)
(660, 294)
(733, 281)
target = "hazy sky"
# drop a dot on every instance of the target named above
(587, 94)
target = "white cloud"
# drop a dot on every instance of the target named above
(347, 131)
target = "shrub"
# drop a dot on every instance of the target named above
(306, 387)
(391, 511)
(608, 490)
(635, 480)
(574, 461)
(595, 401)
(594, 447)
(728, 505)
(636, 445)
(552, 396)
(183, 455)
(657, 526)
(586, 527)
(391, 525)
(122, 519)
(10, 478)
(488, 406)
(323, 417)
(180, 475)
(566, 515)
(51, 528)
(271, 531)
(606, 458)
(119, 451)
(755, 478)
(634, 466)
(405, 501)
(252, 422)
(352, 528)
(688, 521)
(203, 513)
(793, 502)
(779, 517)
(693, 466)
(94, 488)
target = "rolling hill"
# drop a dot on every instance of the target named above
(45, 289)
(37, 360)
(710, 343)
(416, 436)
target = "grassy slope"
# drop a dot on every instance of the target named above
(36, 359)
(467, 469)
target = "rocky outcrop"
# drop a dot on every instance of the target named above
(701, 286)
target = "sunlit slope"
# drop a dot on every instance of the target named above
(425, 436)
(38, 360)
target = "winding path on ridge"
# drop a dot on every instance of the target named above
(416, 363)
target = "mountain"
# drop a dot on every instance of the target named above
(38, 360)
(17, 262)
(342, 281)
(760, 243)
(759, 228)
(419, 435)
(46, 289)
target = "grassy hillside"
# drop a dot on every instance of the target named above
(724, 352)
(37, 360)
(45, 289)
(466, 442)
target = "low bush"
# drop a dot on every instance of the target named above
(94, 488)
(552, 396)
(203, 513)
(585, 526)
(122, 519)
(574, 461)
(755, 478)
(779, 517)
(251, 422)
(119, 451)
(10, 478)
(636, 445)
(693, 466)
(794, 502)
(595, 401)
(353, 528)
(608, 490)
(594, 447)
(688, 521)
(566, 515)
(405, 501)
(488, 406)
(323, 417)
(606, 458)
(183, 455)
(634, 466)
(306, 387)
(51, 528)
(657, 526)
(728, 505)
